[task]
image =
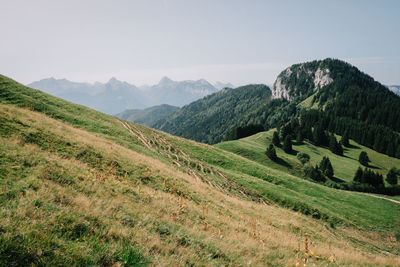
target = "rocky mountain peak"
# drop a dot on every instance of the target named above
(300, 80)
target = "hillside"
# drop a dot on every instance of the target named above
(148, 116)
(116, 96)
(345, 166)
(209, 119)
(79, 187)
(329, 92)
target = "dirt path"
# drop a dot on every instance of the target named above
(388, 199)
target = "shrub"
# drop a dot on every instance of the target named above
(314, 173)
(303, 158)
(391, 177)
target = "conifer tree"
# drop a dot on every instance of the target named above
(334, 146)
(275, 139)
(299, 137)
(287, 144)
(271, 153)
(326, 167)
(358, 177)
(319, 136)
(345, 139)
(363, 158)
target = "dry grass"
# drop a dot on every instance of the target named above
(177, 219)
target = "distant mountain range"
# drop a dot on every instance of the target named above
(116, 96)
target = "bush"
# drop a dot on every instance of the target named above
(314, 173)
(303, 158)
(391, 177)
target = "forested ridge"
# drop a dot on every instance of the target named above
(352, 102)
(208, 120)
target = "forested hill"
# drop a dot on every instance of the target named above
(148, 116)
(357, 104)
(339, 96)
(209, 119)
(358, 96)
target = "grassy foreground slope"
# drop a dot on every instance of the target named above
(78, 187)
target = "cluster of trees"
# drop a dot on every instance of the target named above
(315, 134)
(287, 143)
(364, 180)
(369, 181)
(320, 172)
(368, 177)
(380, 138)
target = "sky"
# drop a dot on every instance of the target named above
(233, 41)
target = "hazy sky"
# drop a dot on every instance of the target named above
(230, 41)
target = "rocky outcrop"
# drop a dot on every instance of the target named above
(301, 80)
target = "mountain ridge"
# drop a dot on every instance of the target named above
(348, 96)
(115, 96)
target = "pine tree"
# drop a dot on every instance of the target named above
(334, 146)
(326, 167)
(391, 177)
(345, 139)
(319, 136)
(299, 137)
(339, 149)
(287, 144)
(275, 139)
(363, 158)
(358, 177)
(271, 153)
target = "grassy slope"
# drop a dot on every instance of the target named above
(253, 148)
(81, 187)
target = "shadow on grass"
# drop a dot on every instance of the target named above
(353, 146)
(337, 180)
(293, 152)
(372, 167)
(283, 163)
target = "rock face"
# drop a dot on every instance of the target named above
(301, 80)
